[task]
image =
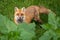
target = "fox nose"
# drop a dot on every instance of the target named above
(20, 19)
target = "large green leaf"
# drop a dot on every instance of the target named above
(27, 31)
(3, 22)
(6, 25)
(8, 30)
(47, 35)
(52, 19)
(48, 26)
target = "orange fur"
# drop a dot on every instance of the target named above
(31, 12)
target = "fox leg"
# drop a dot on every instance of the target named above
(38, 19)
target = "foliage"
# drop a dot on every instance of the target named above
(10, 31)
(52, 28)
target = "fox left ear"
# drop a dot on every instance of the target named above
(16, 9)
(23, 9)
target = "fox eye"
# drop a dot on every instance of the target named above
(17, 14)
(22, 14)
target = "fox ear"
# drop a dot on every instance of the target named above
(16, 9)
(23, 9)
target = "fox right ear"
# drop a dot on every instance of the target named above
(16, 9)
(23, 9)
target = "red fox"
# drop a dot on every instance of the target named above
(29, 13)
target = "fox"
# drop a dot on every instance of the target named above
(27, 14)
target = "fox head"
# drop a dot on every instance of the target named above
(19, 15)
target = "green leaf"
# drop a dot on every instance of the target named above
(55, 37)
(11, 26)
(47, 35)
(8, 30)
(6, 25)
(48, 26)
(58, 22)
(3, 22)
(58, 31)
(3, 37)
(52, 19)
(27, 31)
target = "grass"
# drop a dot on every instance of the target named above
(7, 6)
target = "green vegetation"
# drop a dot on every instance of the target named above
(49, 31)
(10, 31)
